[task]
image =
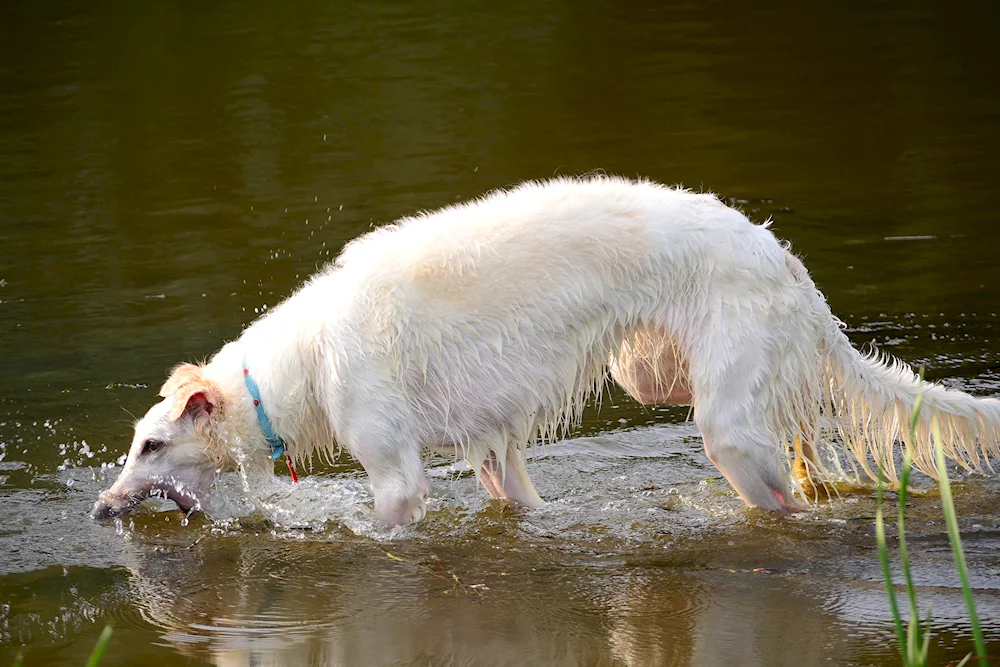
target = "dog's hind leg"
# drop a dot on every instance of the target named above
(808, 469)
(730, 378)
(745, 455)
(510, 482)
(813, 478)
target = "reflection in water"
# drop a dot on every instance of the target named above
(246, 601)
(368, 609)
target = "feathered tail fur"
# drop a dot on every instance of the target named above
(870, 401)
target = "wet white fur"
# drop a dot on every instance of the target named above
(482, 326)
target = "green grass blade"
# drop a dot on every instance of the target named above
(904, 554)
(883, 555)
(916, 639)
(917, 404)
(100, 648)
(18, 660)
(926, 649)
(955, 538)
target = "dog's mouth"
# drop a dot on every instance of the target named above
(115, 506)
(185, 503)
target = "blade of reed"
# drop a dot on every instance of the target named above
(883, 555)
(100, 648)
(915, 631)
(951, 519)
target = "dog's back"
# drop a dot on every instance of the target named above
(489, 322)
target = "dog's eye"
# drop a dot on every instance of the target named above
(151, 446)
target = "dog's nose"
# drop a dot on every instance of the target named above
(102, 510)
(111, 505)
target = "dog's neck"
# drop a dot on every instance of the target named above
(280, 368)
(239, 430)
(276, 444)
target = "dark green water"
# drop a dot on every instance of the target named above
(166, 170)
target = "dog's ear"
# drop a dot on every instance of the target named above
(196, 398)
(192, 393)
(181, 375)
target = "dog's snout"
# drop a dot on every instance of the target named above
(111, 506)
(102, 511)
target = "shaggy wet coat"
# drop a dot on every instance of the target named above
(483, 326)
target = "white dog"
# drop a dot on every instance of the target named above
(481, 327)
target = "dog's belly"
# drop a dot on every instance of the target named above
(650, 367)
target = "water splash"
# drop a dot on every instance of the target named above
(313, 504)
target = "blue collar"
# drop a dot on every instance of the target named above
(276, 443)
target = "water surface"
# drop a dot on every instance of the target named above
(167, 172)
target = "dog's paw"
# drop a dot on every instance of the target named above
(401, 511)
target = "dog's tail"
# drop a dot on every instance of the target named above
(871, 398)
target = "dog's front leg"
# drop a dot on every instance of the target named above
(398, 479)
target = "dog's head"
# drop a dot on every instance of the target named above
(176, 450)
